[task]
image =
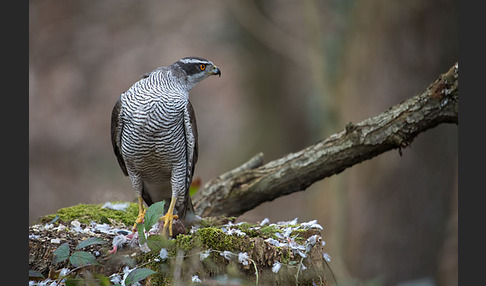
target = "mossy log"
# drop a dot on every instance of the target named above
(216, 252)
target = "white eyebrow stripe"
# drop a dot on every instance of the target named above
(194, 61)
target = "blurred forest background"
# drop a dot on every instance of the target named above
(293, 72)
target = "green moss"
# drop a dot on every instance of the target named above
(159, 279)
(184, 242)
(162, 275)
(208, 238)
(247, 228)
(85, 213)
(215, 238)
(269, 230)
(215, 221)
(285, 256)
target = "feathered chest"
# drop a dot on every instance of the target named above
(153, 118)
(153, 134)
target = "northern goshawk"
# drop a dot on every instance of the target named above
(154, 136)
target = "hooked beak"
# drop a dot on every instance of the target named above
(216, 71)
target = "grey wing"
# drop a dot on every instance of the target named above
(191, 143)
(186, 209)
(116, 132)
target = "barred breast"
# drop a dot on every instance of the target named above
(154, 138)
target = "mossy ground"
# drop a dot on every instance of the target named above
(184, 259)
(85, 213)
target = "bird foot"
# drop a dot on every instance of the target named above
(168, 219)
(140, 218)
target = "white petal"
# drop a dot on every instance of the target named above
(163, 254)
(227, 254)
(264, 221)
(203, 255)
(116, 206)
(195, 279)
(243, 258)
(302, 254)
(144, 248)
(119, 240)
(273, 241)
(313, 239)
(276, 267)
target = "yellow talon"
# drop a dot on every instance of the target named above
(141, 214)
(169, 217)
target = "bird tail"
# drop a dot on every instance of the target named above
(186, 212)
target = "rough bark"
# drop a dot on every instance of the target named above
(253, 183)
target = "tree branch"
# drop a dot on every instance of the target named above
(251, 184)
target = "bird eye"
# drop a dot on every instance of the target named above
(202, 66)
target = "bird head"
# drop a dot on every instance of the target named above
(196, 69)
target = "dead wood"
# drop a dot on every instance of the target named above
(253, 183)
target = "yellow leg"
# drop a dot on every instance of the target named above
(169, 217)
(141, 214)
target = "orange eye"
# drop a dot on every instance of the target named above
(202, 66)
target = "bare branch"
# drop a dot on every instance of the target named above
(248, 186)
